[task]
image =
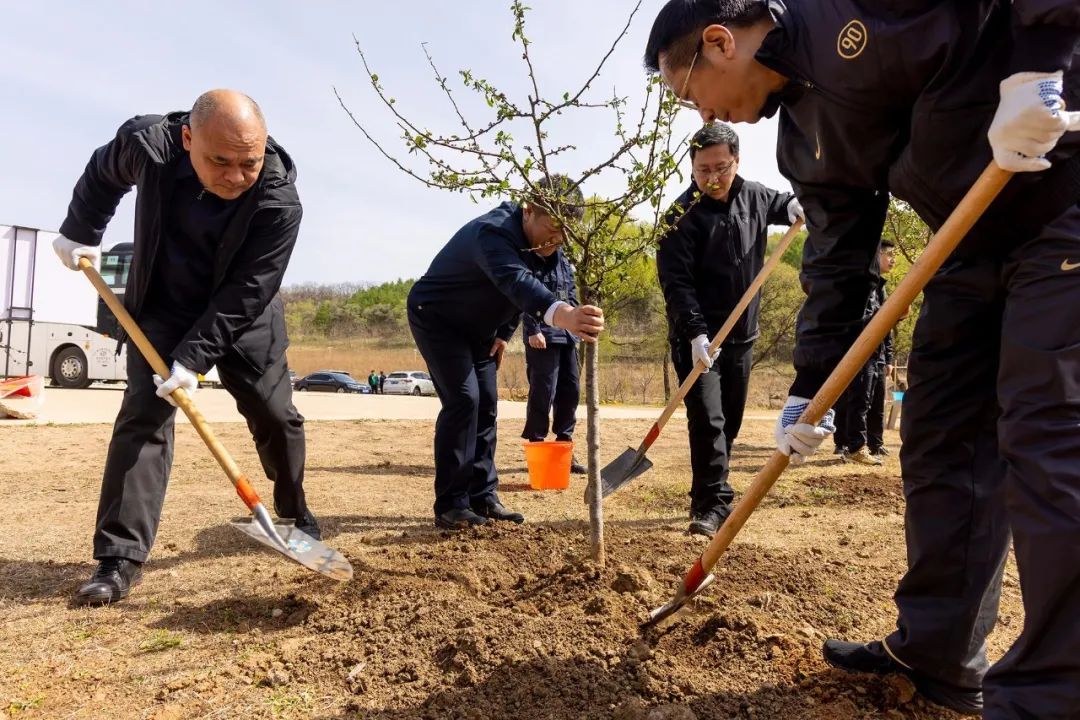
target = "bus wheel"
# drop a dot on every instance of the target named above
(70, 369)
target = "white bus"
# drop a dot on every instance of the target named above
(52, 322)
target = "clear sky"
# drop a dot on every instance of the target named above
(71, 72)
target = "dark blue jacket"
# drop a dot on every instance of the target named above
(896, 97)
(557, 275)
(484, 278)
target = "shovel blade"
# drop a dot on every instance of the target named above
(622, 470)
(676, 603)
(299, 547)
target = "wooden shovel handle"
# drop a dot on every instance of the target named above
(956, 227)
(243, 486)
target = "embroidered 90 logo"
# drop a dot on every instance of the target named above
(852, 40)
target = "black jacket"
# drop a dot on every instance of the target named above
(884, 354)
(484, 278)
(712, 255)
(556, 275)
(904, 110)
(244, 313)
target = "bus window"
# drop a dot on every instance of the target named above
(114, 268)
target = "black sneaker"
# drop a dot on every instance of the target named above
(495, 510)
(111, 582)
(577, 468)
(873, 658)
(458, 519)
(707, 522)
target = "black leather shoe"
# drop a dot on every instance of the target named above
(707, 522)
(577, 468)
(112, 581)
(309, 525)
(873, 658)
(494, 510)
(458, 519)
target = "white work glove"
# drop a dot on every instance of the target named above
(794, 211)
(70, 251)
(181, 378)
(1030, 119)
(699, 349)
(801, 440)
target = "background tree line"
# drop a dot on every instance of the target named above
(638, 325)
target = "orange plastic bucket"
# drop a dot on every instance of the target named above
(549, 464)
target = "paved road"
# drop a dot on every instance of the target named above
(99, 404)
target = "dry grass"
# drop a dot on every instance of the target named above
(622, 380)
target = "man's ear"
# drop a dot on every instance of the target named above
(185, 137)
(719, 37)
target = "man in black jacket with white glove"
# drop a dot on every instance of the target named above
(706, 262)
(462, 312)
(216, 219)
(902, 97)
(551, 363)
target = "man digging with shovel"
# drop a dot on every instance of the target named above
(705, 263)
(216, 219)
(902, 99)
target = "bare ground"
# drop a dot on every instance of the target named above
(499, 622)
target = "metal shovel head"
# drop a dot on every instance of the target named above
(622, 470)
(299, 546)
(676, 603)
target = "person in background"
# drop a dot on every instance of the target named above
(551, 363)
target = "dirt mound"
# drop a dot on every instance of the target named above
(509, 622)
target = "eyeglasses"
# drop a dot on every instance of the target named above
(722, 170)
(689, 104)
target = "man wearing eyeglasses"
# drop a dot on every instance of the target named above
(915, 99)
(463, 311)
(706, 262)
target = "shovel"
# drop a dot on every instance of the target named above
(966, 214)
(632, 462)
(282, 537)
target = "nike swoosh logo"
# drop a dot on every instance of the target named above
(1066, 266)
(817, 150)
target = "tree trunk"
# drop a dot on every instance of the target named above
(594, 495)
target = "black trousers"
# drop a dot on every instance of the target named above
(991, 444)
(553, 388)
(141, 451)
(875, 416)
(853, 409)
(714, 413)
(465, 432)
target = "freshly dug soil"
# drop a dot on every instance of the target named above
(499, 622)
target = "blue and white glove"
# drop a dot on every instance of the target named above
(181, 378)
(794, 211)
(699, 349)
(801, 440)
(1029, 121)
(70, 251)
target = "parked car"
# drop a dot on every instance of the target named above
(331, 381)
(408, 382)
(293, 377)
